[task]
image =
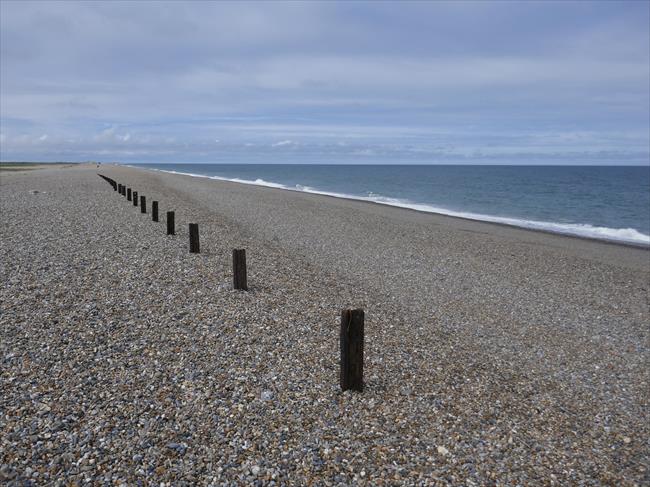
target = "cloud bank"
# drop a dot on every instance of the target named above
(465, 82)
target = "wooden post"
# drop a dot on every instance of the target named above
(154, 211)
(113, 184)
(135, 198)
(352, 349)
(171, 229)
(143, 204)
(194, 238)
(239, 269)
(128, 194)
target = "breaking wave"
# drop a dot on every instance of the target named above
(628, 235)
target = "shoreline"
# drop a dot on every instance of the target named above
(492, 354)
(451, 214)
(623, 243)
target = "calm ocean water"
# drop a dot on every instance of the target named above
(610, 203)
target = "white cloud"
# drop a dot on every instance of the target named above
(105, 135)
(399, 73)
(271, 74)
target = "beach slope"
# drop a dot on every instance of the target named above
(494, 355)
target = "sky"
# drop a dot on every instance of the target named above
(553, 82)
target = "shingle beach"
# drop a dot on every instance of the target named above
(493, 355)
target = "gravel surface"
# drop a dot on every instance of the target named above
(494, 356)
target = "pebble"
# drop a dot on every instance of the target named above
(128, 361)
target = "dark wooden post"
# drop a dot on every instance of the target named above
(352, 349)
(135, 198)
(154, 211)
(239, 269)
(143, 204)
(128, 194)
(171, 229)
(194, 238)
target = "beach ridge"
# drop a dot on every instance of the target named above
(492, 353)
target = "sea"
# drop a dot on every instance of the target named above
(601, 202)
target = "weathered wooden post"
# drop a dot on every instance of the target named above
(135, 198)
(171, 229)
(128, 194)
(143, 204)
(239, 269)
(154, 211)
(352, 349)
(194, 238)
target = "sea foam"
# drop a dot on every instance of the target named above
(627, 235)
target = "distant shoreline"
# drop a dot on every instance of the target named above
(638, 245)
(374, 163)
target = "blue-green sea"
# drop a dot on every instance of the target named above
(603, 202)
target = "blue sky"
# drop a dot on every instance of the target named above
(368, 82)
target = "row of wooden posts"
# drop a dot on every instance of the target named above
(238, 255)
(352, 320)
